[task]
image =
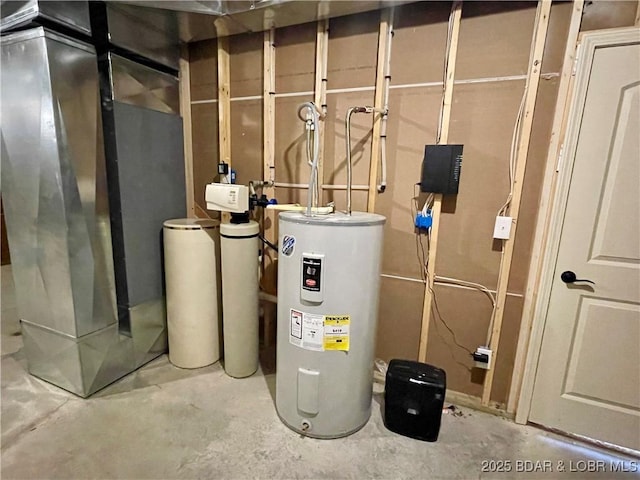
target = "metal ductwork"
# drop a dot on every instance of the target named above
(218, 8)
(202, 20)
(188, 21)
(92, 165)
(73, 15)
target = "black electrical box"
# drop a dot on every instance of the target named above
(413, 399)
(441, 168)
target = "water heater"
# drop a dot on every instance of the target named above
(328, 283)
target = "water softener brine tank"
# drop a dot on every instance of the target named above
(328, 285)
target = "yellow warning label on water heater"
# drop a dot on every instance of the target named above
(336, 332)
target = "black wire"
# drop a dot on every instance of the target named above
(424, 261)
(268, 243)
(466, 367)
(436, 309)
(424, 264)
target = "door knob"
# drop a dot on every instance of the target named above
(570, 277)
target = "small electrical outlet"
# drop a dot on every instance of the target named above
(502, 228)
(482, 357)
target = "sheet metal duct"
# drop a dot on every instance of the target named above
(145, 171)
(54, 188)
(74, 15)
(153, 28)
(147, 32)
(207, 7)
(135, 84)
(202, 20)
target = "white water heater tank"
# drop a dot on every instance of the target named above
(328, 288)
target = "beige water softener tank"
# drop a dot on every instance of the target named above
(192, 277)
(328, 282)
(239, 255)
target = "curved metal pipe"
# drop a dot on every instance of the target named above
(347, 126)
(313, 177)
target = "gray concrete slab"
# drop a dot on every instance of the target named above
(162, 422)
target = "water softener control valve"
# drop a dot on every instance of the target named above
(312, 278)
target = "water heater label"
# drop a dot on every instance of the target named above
(312, 274)
(312, 331)
(319, 332)
(296, 324)
(336, 332)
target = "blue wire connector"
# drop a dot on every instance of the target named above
(424, 221)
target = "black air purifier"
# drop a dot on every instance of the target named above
(413, 399)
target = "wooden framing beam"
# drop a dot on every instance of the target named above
(320, 93)
(201, 212)
(268, 111)
(269, 217)
(224, 107)
(452, 50)
(185, 113)
(531, 93)
(383, 35)
(224, 101)
(546, 200)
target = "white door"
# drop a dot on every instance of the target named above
(588, 376)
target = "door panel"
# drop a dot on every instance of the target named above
(589, 373)
(588, 376)
(619, 212)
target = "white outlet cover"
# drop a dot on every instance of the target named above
(502, 229)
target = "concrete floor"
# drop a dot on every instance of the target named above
(162, 422)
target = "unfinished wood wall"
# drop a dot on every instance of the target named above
(493, 53)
